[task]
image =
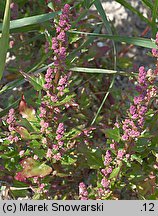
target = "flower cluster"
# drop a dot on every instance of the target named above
(107, 158)
(59, 44)
(155, 50)
(56, 150)
(83, 193)
(63, 81)
(132, 126)
(60, 131)
(11, 122)
(55, 83)
(106, 172)
(48, 78)
(44, 125)
(14, 10)
(11, 119)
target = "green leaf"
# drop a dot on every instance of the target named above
(50, 5)
(62, 175)
(36, 82)
(27, 21)
(23, 132)
(4, 40)
(40, 153)
(68, 160)
(87, 3)
(115, 172)
(24, 122)
(29, 114)
(32, 168)
(113, 134)
(93, 157)
(143, 42)
(137, 158)
(65, 100)
(35, 144)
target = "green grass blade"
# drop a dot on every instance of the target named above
(154, 17)
(4, 41)
(102, 13)
(22, 43)
(33, 20)
(103, 101)
(143, 42)
(6, 110)
(83, 45)
(20, 81)
(101, 71)
(128, 6)
(148, 3)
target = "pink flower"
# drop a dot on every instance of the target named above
(125, 137)
(155, 52)
(104, 171)
(105, 183)
(120, 154)
(107, 158)
(57, 156)
(60, 143)
(132, 110)
(11, 116)
(61, 36)
(83, 193)
(13, 139)
(60, 129)
(113, 146)
(109, 170)
(54, 43)
(58, 137)
(43, 112)
(49, 153)
(35, 180)
(142, 75)
(11, 43)
(44, 140)
(14, 10)
(19, 177)
(44, 125)
(54, 98)
(55, 147)
(35, 157)
(66, 8)
(21, 153)
(42, 186)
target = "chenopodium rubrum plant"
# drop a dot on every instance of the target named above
(131, 158)
(41, 137)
